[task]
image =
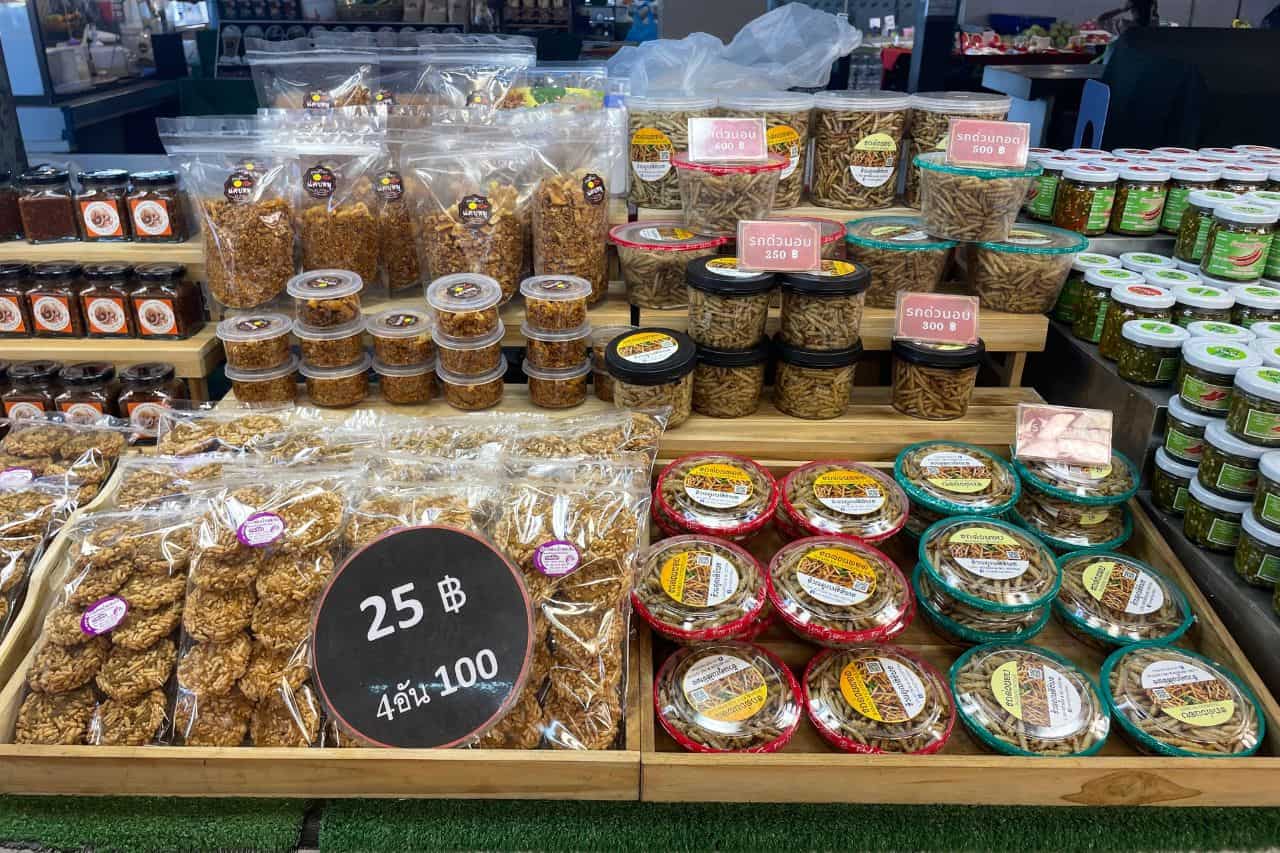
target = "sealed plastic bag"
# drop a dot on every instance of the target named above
(294, 75)
(601, 436)
(574, 85)
(148, 480)
(474, 76)
(382, 508)
(31, 513)
(82, 455)
(396, 198)
(400, 64)
(194, 431)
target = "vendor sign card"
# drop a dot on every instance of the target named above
(997, 144)
(1063, 434)
(779, 246)
(937, 318)
(728, 140)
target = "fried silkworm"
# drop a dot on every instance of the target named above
(893, 270)
(843, 497)
(677, 395)
(932, 393)
(856, 157)
(723, 321)
(655, 278)
(570, 223)
(1121, 598)
(714, 203)
(991, 561)
(726, 392)
(1073, 525)
(1019, 283)
(816, 393)
(836, 591)
(971, 208)
(788, 134)
(1111, 480)
(698, 588)
(821, 322)
(656, 135)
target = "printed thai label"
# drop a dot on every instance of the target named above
(145, 417)
(52, 314)
(259, 529)
(875, 160)
(1094, 517)
(14, 478)
(665, 234)
(238, 188)
(728, 267)
(984, 142)
(106, 315)
(899, 234)
(883, 690)
(727, 139)
(834, 269)
(1188, 693)
(82, 413)
(1142, 211)
(718, 486)
(23, 411)
(1240, 481)
(1269, 570)
(593, 188)
(651, 151)
(253, 324)
(956, 472)
(988, 552)
(317, 99)
(783, 139)
(1238, 257)
(939, 318)
(1044, 191)
(647, 347)
(389, 186)
(319, 181)
(1167, 368)
(1260, 424)
(771, 244)
(475, 210)
(1205, 395)
(1183, 446)
(698, 578)
(849, 492)
(11, 319)
(1123, 588)
(157, 317)
(1036, 693)
(1224, 533)
(836, 577)
(1180, 499)
(324, 282)
(1202, 237)
(725, 688)
(402, 320)
(1175, 204)
(101, 218)
(463, 290)
(557, 558)
(1026, 237)
(150, 217)
(103, 615)
(1271, 508)
(1100, 208)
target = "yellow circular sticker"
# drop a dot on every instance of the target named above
(883, 690)
(836, 268)
(1094, 517)
(783, 139)
(725, 688)
(988, 552)
(1188, 693)
(647, 347)
(1036, 693)
(849, 492)
(1122, 588)
(666, 234)
(651, 151)
(718, 485)
(836, 577)
(698, 578)
(961, 473)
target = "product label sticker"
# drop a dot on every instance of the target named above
(1206, 395)
(1063, 434)
(937, 318)
(103, 615)
(403, 320)
(389, 186)
(1123, 588)
(51, 314)
(1271, 508)
(849, 492)
(15, 478)
(1264, 425)
(319, 182)
(107, 315)
(1224, 533)
(834, 269)
(728, 267)
(23, 411)
(647, 347)
(1237, 256)
(82, 413)
(593, 189)
(666, 234)
(731, 140)
(317, 99)
(156, 317)
(988, 552)
(783, 139)
(899, 234)
(1167, 368)
(101, 218)
(463, 290)
(253, 324)
(1237, 480)
(557, 558)
(956, 472)
(725, 688)
(883, 690)
(779, 246)
(1094, 517)
(259, 529)
(651, 151)
(1100, 210)
(836, 577)
(145, 417)
(981, 142)
(1188, 693)
(718, 485)
(386, 97)
(150, 217)
(874, 164)
(1269, 570)
(1142, 211)
(1180, 500)
(11, 319)
(698, 578)
(1038, 694)
(238, 188)
(475, 210)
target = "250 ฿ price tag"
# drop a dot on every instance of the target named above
(779, 246)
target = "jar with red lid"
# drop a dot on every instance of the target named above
(105, 301)
(46, 207)
(54, 298)
(165, 303)
(147, 389)
(15, 312)
(156, 212)
(101, 209)
(714, 494)
(33, 385)
(89, 391)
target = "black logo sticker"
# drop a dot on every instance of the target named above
(593, 188)
(475, 210)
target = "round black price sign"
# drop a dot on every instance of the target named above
(423, 638)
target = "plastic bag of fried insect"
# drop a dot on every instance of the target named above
(597, 435)
(107, 644)
(187, 432)
(381, 508)
(473, 76)
(310, 438)
(624, 469)
(31, 512)
(57, 445)
(477, 436)
(294, 75)
(400, 65)
(149, 481)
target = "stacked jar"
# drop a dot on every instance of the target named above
(1193, 228)
(260, 364)
(468, 337)
(1086, 194)
(1095, 300)
(1196, 302)
(1044, 191)
(1140, 200)
(1257, 560)
(330, 332)
(1225, 484)
(33, 386)
(1228, 332)
(147, 389)
(1239, 241)
(728, 309)
(89, 391)
(404, 355)
(1254, 304)
(1064, 311)
(1077, 506)
(1184, 179)
(557, 335)
(1132, 302)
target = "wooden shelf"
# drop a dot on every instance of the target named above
(193, 358)
(189, 253)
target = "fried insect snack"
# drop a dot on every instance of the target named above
(1109, 600)
(934, 381)
(716, 494)
(971, 203)
(188, 433)
(900, 255)
(658, 126)
(786, 119)
(570, 224)
(1024, 273)
(148, 480)
(379, 509)
(841, 497)
(715, 197)
(856, 140)
(697, 588)
(990, 564)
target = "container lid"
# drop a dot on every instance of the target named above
(953, 356)
(1036, 151)
(1266, 198)
(463, 292)
(1143, 296)
(1131, 152)
(1118, 600)
(560, 374)
(1231, 155)
(148, 373)
(956, 478)
(287, 369)
(1263, 381)
(354, 369)
(1216, 432)
(533, 334)
(1174, 702)
(1218, 356)
(159, 271)
(1263, 150)
(33, 372)
(843, 497)
(245, 328)
(758, 354)
(721, 275)
(935, 161)
(1222, 331)
(107, 270)
(661, 237)
(1154, 333)
(1117, 163)
(1257, 296)
(990, 564)
(1169, 163)
(87, 373)
(1029, 239)
(831, 230)
(1086, 261)
(14, 269)
(1056, 162)
(1110, 527)
(817, 359)
(651, 356)
(836, 278)
(1143, 261)
(555, 288)
(406, 370)
(44, 177)
(1144, 173)
(154, 178)
(1187, 266)
(1171, 278)
(400, 323)
(1269, 350)
(1174, 151)
(961, 103)
(1267, 330)
(1269, 465)
(56, 269)
(716, 494)
(1112, 277)
(324, 284)
(315, 333)
(1247, 214)
(1168, 464)
(1245, 172)
(467, 344)
(767, 101)
(979, 626)
(97, 177)
(1215, 501)
(775, 163)
(1085, 152)
(699, 588)
(1193, 173)
(1091, 173)
(1255, 529)
(1179, 410)
(1200, 295)
(672, 101)
(484, 378)
(861, 101)
(1210, 199)
(893, 233)
(1087, 485)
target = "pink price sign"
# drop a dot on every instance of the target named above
(779, 246)
(1065, 435)
(731, 140)
(937, 318)
(976, 142)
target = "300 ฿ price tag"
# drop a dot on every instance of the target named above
(731, 140)
(1063, 434)
(779, 246)
(937, 318)
(978, 142)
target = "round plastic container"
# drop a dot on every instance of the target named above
(1196, 303)
(716, 196)
(1140, 199)
(600, 378)
(473, 393)
(814, 384)
(325, 298)
(786, 120)
(965, 625)
(728, 307)
(837, 592)
(715, 494)
(1254, 413)
(989, 564)
(657, 125)
(1184, 432)
(1193, 230)
(271, 385)
(1039, 203)
(473, 356)
(1229, 465)
(556, 350)
(653, 367)
(337, 346)
(466, 304)
(931, 114)
(1243, 177)
(1227, 332)
(1175, 152)
(823, 310)
(402, 337)
(653, 257)
(1229, 155)
(1185, 178)
(1208, 371)
(949, 478)
(406, 384)
(1149, 352)
(934, 381)
(971, 203)
(255, 341)
(1104, 485)
(1212, 521)
(555, 303)
(1064, 310)
(338, 387)
(1025, 273)
(846, 498)
(1269, 350)
(1239, 241)
(1132, 302)
(900, 254)
(1109, 600)
(1255, 303)
(1257, 558)
(557, 388)
(857, 138)
(1171, 483)
(694, 589)
(729, 383)
(1065, 526)
(1266, 501)
(1095, 300)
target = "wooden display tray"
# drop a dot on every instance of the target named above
(808, 770)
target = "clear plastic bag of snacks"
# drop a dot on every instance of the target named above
(381, 508)
(151, 480)
(593, 435)
(294, 75)
(188, 432)
(31, 512)
(55, 446)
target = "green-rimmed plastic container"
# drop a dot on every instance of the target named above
(1079, 484)
(1110, 600)
(956, 478)
(1024, 272)
(966, 635)
(1075, 722)
(971, 203)
(1183, 667)
(1063, 546)
(901, 255)
(988, 551)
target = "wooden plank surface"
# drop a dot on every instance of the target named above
(193, 358)
(190, 253)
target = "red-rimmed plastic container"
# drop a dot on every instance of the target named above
(698, 588)
(878, 699)
(843, 497)
(653, 257)
(715, 494)
(839, 592)
(715, 196)
(727, 696)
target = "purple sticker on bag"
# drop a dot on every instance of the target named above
(556, 558)
(103, 615)
(259, 529)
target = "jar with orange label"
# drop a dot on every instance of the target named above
(147, 390)
(155, 208)
(165, 304)
(101, 210)
(15, 312)
(105, 301)
(89, 391)
(54, 298)
(34, 384)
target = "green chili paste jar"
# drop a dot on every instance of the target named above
(1144, 262)
(1170, 483)
(1242, 178)
(1239, 240)
(1229, 332)
(1148, 352)
(1095, 299)
(1140, 198)
(1086, 194)
(1212, 521)
(1267, 330)
(1069, 297)
(1269, 350)
(1267, 198)
(1193, 231)
(1208, 373)
(1266, 502)
(1229, 466)
(1044, 189)
(1185, 179)
(1257, 559)
(1255, 303)
(1197, 302)
(1184, 432)
(1254, 414)
(1132, 302)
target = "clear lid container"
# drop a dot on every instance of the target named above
(1268, 330)
(469, 381)
(1090, 485)
(250, 328)
(1029, 239)
(843, 497)
(662, 237)
(1171, 701)
(319, 333)
(1091, 173)
(956, 478)
(324, 284)
(839, 592)
(1064, 529)
(288, 368)
(354, 369)
(1143, 296)
(961, 103)
(1218, 355)
(1246, 214)
(1202, 295)
(989, 564)
(1223, 331)
(1026, 700)
(1257, 296)
(400, 323)
(560, 374)
(1261, 382)
(894, 233)
(1142, 261)
(849, 101)
(717, 494)
(1154, 333)
(1269, 350)
(1171, 278)
(1112, 277)
(935, 161)
(727, 696)
(878, 699)
(669, 102)
(772, 102)
(978, 626)
(699, 588)
(1118, 600)
(452, 343)
(404, 370)
(583, 331)
(555, 288)
(1086, 261)
(1143, 173)
(463, 292)
(1169, 465)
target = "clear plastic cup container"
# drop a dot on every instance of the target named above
(555, 303)
(338, 387)
(556, 350)
(715, 494)
(271, 385)
(1024, 273)
(256, 341)
(1088, 485)
(716, 196)
(1109, 600)
(901, 255)
(473, 393)
(337, 346)
(695, 589)
(955, 478)
(557, 389)
(466, 304)
(406, 384)
(325, 298)
(470, 356)
(989, 564)
(963, 624)
(971, 203)
(402, 336)
(841, 497)
(653, 257)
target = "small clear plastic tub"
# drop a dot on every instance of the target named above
(653, 367)
(557, 389)
(823, 310)
(715, 494)
(1208, 371)
(600, 338)
(728, 307)
(323, 299)
(1021, 699)
(693, 589)
(1149, 352)
(1173, 702)
(955, 478)
(1196, 302)
(555, 303)
(727, 696)
(338, 387)
(272, 385)
(653, 257)
(965, 625)
(838, 592)
(470, 356)
(556, 350)
(1089, 485)
(256, 341)
(337, 346)
(1110, 600)
(729, 383)
(1065, 526)
(402, 337)
(716, 196)
(466, 304)
(1254, 413)
(403, 384)
(1229, 464)
(1257, 558)
(901, 255)
(971, 203)
(1255, 303)
(814, 384)
(1212, 521)
(1184, 432)
(1229, 332)
(878, 699)
(473, 393)
(934, 381)
(841, 497)
(1171, 482)
(989, 564)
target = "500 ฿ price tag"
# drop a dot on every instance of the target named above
(779, 246)
(979, 142)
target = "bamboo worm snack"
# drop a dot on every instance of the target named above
(1024, 273)
(1111, 600)
(727, 696)
(729, 383)
(698, 588)
(653, 367)
(1066, 526)
(812, 384)
(338, 387)
(786, 121)
(659, 127)
(989, 564)
(900, 255)
(654, 256)
(841, 497)
(715, 494)
(272, 385)
(963, 624)
(856, 142)
(931, 114)
(715, 196)
(878, 699)
(1025, 700)
(955, 478)
(1174, 702)
(838, 592)
(555, 303)
(728, 306)
(971, 202)
(934, 381)
(1091, 485)
(403, 384)
(822, 310)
